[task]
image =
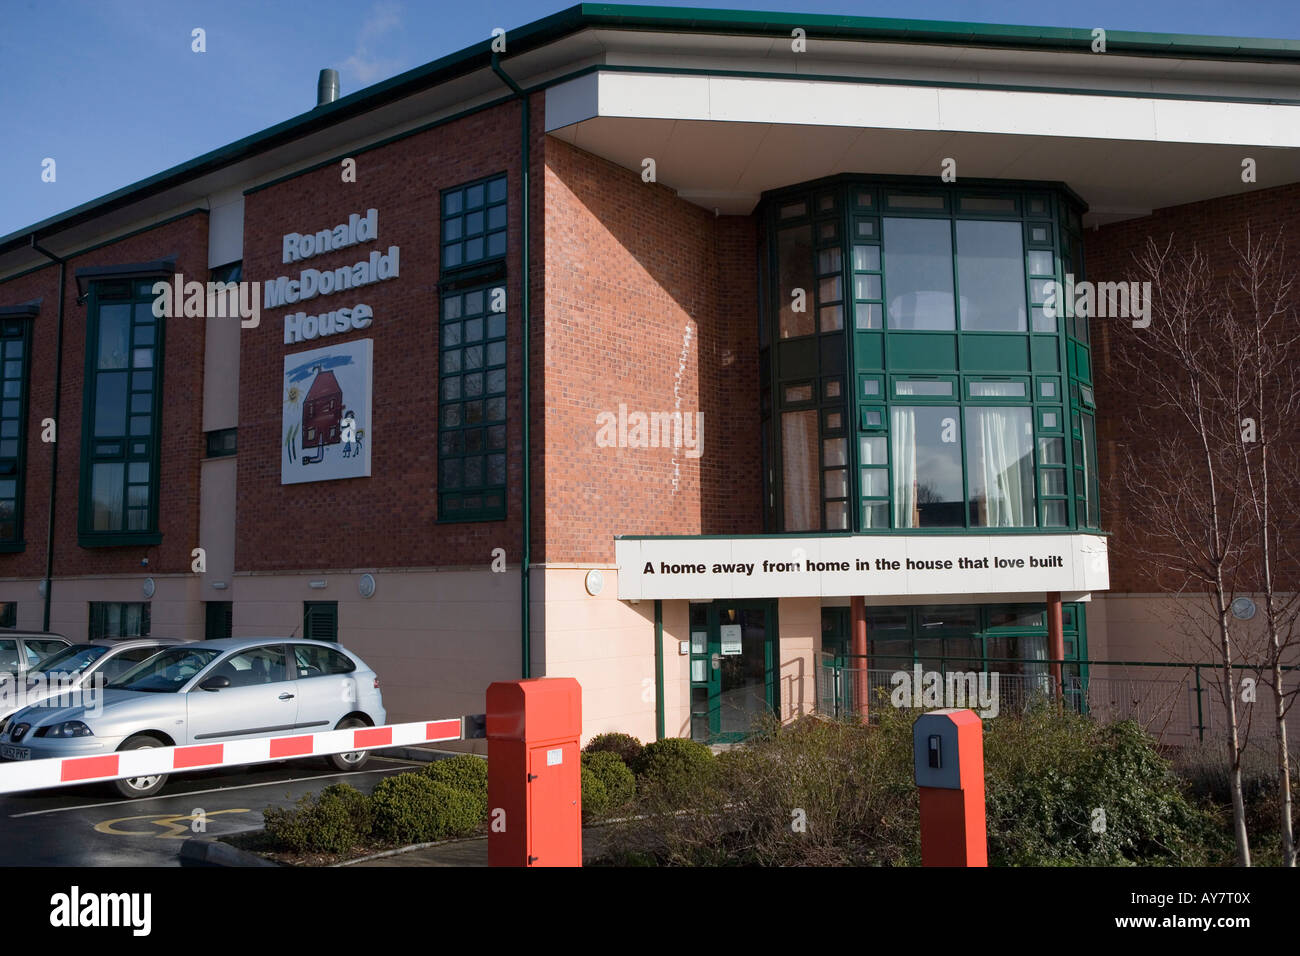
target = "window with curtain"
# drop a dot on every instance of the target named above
(926, 449)
(801, 484)
(1000, 467)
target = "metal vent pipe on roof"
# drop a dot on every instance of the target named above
(327, 87)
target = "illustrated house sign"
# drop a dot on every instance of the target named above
(326, 419)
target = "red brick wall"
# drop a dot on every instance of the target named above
(1209, 225)
(182, 416)
(388, 519)
(629, 267)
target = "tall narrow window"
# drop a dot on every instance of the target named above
(927, 466)
(119, 470)
(472, 405)
(1000, 467)
(15, 343)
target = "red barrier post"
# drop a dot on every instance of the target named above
(534, 772)
(948, 753)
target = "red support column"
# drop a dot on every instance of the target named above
(858, 628)
(1055, 639)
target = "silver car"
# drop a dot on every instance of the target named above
(22, 650)
(208, 692)
(76, 666)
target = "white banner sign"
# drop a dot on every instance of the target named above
(868, 565)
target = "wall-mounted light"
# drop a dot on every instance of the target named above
(219, 585)
(317, 585)
(366, 585)
(149, 587)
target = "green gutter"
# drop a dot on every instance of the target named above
(670, 20)
(525, 616)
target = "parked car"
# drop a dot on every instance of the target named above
(22, 650)
(208, 692)
(74, 666)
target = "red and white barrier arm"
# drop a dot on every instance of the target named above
(63, 771)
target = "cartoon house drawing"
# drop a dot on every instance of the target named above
(322, 413)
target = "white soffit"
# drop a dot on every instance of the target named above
(722, 141)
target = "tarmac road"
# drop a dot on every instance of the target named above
(92, 825)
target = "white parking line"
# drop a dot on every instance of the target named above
(195, 793)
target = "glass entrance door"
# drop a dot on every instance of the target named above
(733, 674)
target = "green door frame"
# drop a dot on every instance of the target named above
(706, 658)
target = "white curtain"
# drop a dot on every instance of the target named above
(800, 483)
(903, 436)
(1034, 649)
(1002, 470)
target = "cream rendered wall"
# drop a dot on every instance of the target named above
(677, 669)
(217, 526)
(174, 610)
(800, 627)
(436, 639)
(607, 645)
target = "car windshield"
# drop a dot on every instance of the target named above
(167, 672)
(70, 660)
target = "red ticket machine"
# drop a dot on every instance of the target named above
(534, 772)
(948, 754)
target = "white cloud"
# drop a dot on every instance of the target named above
(366, 65)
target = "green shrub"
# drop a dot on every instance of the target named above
(466, 773)
(1063, 790)
(411, 808)
(626, 746)
(336, 822)
(817, 792)
(595, 798)
(673, 770)
(619, 781)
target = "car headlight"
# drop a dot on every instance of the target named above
(69, 728)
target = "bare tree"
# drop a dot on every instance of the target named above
(1264, 286)
(1214, 385)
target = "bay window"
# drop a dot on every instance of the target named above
(921, 309)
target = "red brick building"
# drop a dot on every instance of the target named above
(675, 349)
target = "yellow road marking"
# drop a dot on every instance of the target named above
(175, 828)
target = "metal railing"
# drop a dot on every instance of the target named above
(1175, 703)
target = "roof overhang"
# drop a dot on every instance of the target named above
(723, 140)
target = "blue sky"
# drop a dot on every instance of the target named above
(111, 90)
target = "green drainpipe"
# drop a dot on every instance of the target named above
(659, 670)
(525, 255)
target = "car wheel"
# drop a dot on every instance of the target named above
(355, 759)
(135, 787)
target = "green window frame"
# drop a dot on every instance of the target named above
(118, 619)
(15, 382)
(121, 416)
(994, 360)
(474, 220)
(472, 427)
(320, 620)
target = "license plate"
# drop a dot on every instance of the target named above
(9, 752)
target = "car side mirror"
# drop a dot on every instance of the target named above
(215, 682)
